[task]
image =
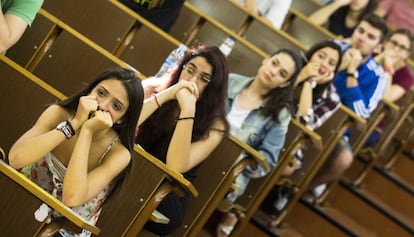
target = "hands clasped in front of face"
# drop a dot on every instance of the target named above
(90, 116)
(352, 59)
(186, 93)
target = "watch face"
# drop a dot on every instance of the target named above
(61, 125)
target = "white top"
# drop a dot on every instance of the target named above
(273, 10)
(236, 117)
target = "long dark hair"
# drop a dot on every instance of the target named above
(209, 107)
(211, 104)
(279, 98)
(320, 88)
(135, 92)
(369, 8)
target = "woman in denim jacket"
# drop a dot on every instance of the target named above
(258, 111)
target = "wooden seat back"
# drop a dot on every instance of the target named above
(214, 179)
(396, 127)
(358, 139)
(23, 201)
(297, 137)
(331, 133)
(32, 40)
(304, 30)
(70, 60)
(112, 26)
(306, 7)
(131, 205)
(24, 98)
(245, 58)
(99, 21)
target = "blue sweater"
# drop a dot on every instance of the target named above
(372, 82)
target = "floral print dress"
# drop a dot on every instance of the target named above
(49, 172)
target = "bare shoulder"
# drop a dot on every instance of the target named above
(119, 155)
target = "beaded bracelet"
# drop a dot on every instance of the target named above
(184, 118)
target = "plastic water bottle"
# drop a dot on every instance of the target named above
(227, 46)
(172, 61)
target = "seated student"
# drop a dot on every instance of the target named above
(274, 11)
(182, 133)
(15, 16)
(259, 111)
(79, 147)
(315, 101)
(159, 12)
(397, 13)
(342, 16)
(360, 83)
(393, 59)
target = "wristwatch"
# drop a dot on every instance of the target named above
(66, 128)
(352, 74)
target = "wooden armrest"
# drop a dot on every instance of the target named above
(259, 158)
(47, 198)
(2, 154)
(360, 122)
(187, 185)
(410, 63)
(313, 136)
(392, 106)
(158, 217)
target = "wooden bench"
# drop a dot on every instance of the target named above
(22, 202)
(214, 179)
(112, 26)
(305, 31)
(250, 26)
(67, 59)
(369, 200)
(245, 58)
(132, 204)
(34, 37)
(360, 135)
(102, 23)
(297, 137)
(392, 117)
(146, 46)
(25, 97)
(331, 132)
(306, 7)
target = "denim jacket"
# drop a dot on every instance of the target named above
(259, 132)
